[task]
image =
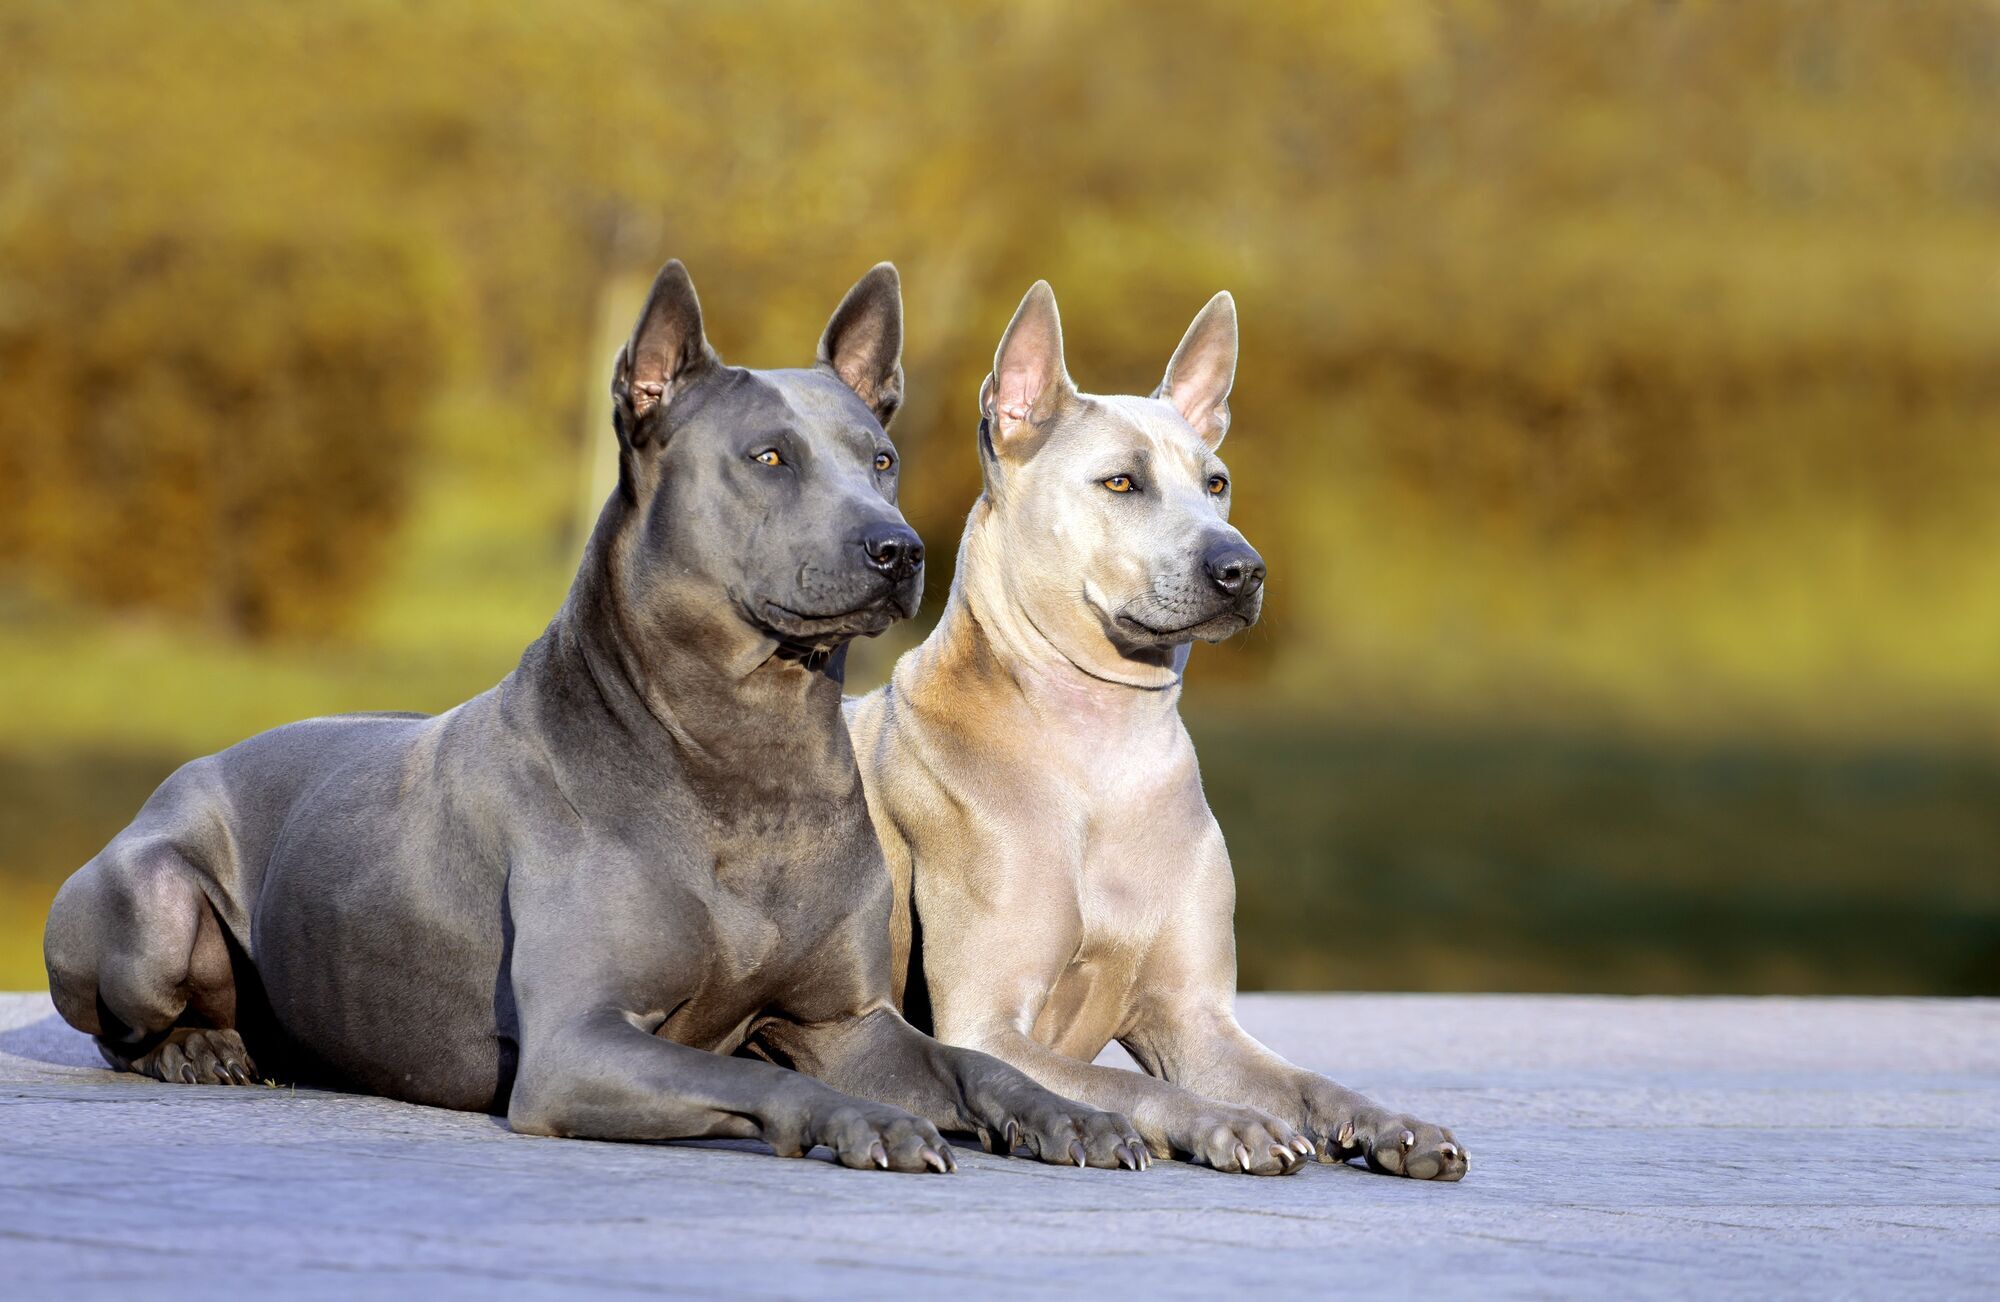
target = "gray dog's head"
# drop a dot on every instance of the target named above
(771, 494)
(1115, 510)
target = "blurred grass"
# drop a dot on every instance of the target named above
(1508, 861)
(1438, 861)
(1374, 849)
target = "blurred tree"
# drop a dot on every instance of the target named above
(1614, 353)
(1605, 362)
(218, 427)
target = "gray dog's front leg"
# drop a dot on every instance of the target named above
(601, 1077)
(878, 1055)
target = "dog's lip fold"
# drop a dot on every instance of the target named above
(805, 631)
(1214, 627)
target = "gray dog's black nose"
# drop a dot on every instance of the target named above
(893, 549)
(1235, 567)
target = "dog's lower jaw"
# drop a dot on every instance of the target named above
(1221, 628)
(813, 639)
(1135, 636)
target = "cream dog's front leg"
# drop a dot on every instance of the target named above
(1173, 1121)
(995, 1014)
(1209, 1052)
(1187, 1033)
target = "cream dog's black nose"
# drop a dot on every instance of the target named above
(893, 549)
(1235, 567)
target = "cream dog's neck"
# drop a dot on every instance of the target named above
(1060, 663)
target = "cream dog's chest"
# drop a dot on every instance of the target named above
(1115, 885)
(1138, 862)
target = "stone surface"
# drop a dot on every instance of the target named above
(1621, 1147)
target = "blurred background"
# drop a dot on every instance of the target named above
(1619, 413)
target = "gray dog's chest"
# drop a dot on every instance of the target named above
(384, 923)
(774, 902)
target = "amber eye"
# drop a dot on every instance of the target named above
(883, 461)
(1217, 485)
(768, 457)
(1120, 484)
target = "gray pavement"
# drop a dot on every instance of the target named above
(1621, 1148)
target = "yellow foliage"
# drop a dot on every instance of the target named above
(1614, 358)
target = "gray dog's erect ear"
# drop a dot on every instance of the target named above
(863, 342)
(666, 350)
(1203, 368)
(1028, 382)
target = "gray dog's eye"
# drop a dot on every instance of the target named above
(883, 461)
(1217, 485)
(1120, 484)
(768, 457)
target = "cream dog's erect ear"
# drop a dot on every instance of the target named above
(1203, 369)
(1028, 382)
(863, 342)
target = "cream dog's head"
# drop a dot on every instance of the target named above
(1113, 512)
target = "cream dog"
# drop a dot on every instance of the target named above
(1060, 881)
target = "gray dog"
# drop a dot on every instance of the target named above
(575, 897)
(1060, 880)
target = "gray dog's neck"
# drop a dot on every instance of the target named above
(686, 687)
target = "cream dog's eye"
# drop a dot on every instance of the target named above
(1120, 484)
(883, 461)
(768, 457)
(1217, 485)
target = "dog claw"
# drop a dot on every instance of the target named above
(1448, 1151)
(1243, 1156)
(1407, 1141)
(1013, 1137)
(1076, 1152)
(1346, 1136)
(1302, 1146)
(935, 1161)
(879, 1155)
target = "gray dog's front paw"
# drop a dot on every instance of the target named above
(1394, 1144)
(1064, 1133)
(1110, 1141)
(1243, 1140)
(867, 1136)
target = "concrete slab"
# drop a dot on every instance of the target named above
(1622, 1147)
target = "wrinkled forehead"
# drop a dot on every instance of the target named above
(809, 404)
(1136, 429)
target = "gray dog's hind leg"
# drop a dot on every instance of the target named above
(137, 958)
